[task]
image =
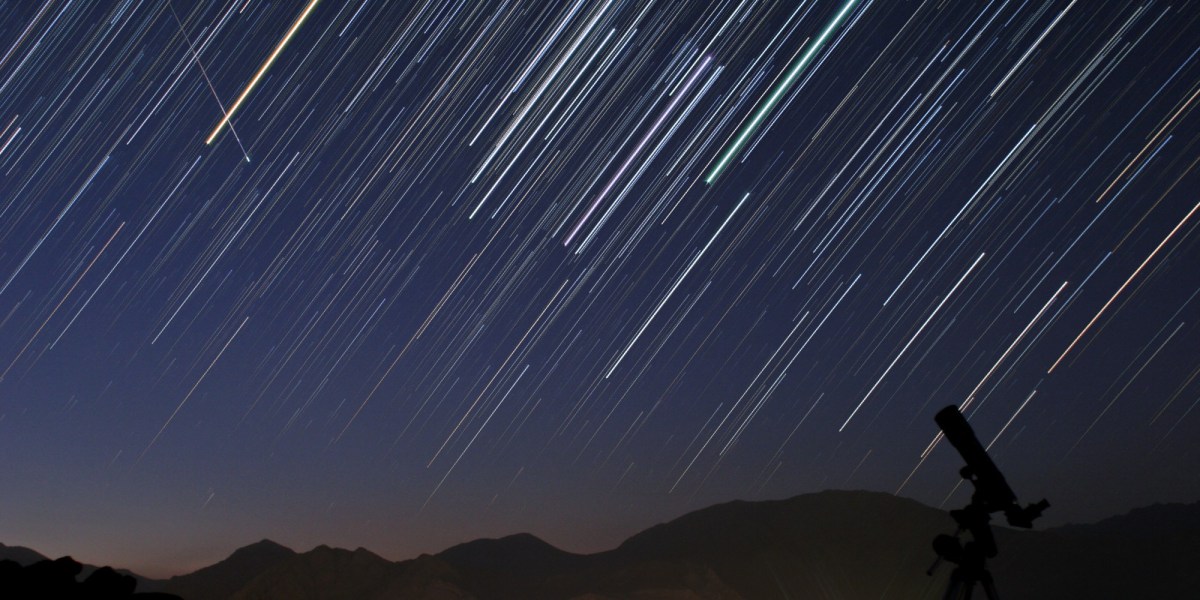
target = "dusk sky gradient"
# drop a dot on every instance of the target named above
(459, 269)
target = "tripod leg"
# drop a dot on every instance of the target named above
(959, 589)
(989, 589)
(952, 592)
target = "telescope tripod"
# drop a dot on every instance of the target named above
(970, 558)
(960, 587)
(970, 570)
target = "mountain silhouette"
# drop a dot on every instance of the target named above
(334, 574)
(843, 544)
(21, 555)
(512, 567)
(865, 543)
(221, 580)
(522, 554)
(1150, 552)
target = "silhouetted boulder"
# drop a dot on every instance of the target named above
(57, 579)
(105, 581)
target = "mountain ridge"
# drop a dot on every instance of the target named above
(854, 544)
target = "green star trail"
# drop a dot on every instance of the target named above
(785, 84)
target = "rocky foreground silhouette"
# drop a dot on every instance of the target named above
(59, 579)
(834, 544)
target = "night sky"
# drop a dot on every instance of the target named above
(404, 274)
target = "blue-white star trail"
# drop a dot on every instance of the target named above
(404, 274)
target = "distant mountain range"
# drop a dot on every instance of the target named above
(835, 544)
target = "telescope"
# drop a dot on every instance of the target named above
(991, 490)
(992, 494)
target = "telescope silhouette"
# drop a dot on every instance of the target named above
(992, 494)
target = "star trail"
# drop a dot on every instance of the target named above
(399, 275)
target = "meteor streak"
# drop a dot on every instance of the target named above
(287, 37)
(207, 81)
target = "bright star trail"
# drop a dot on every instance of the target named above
(577, 268)
(786, 83)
